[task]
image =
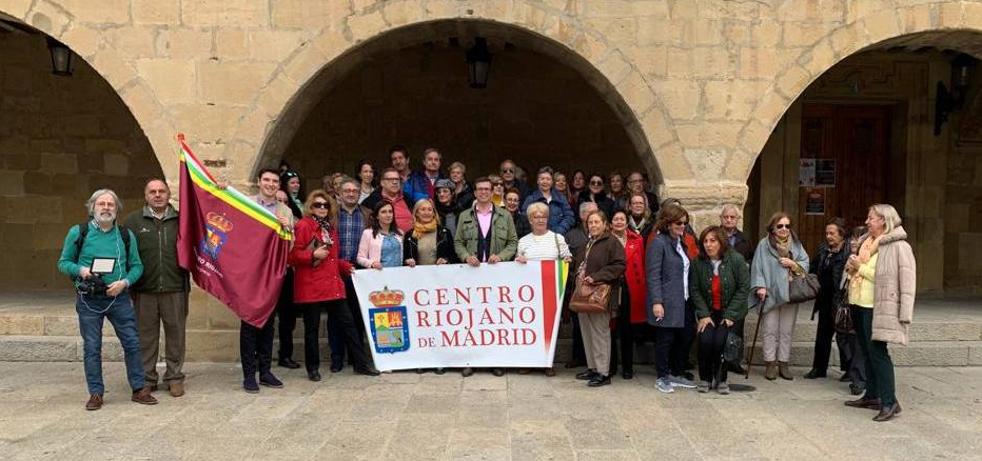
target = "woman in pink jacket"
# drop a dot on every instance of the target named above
(381, 244)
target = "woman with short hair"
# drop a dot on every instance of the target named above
(882, 286)
(779, 257)
(829, 265)
(541, 244)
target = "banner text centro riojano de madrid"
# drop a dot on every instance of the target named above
(452, 316)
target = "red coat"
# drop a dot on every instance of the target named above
(634, 274)
(321, 283)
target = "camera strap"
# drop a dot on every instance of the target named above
(83, 231)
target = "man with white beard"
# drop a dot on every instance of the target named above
(103, 261)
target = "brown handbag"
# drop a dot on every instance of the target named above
(590, 298)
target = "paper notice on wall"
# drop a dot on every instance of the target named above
(815, 202)
(806, 172)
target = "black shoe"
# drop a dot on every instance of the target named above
(314, 376)
(813, 374)
(337, 367)
(586, 375)
(598, 380)
(857, 390)
(269, 380)
(627, 375)
(367, 371)
(288, 363)
(467, 372)
(439, 371)
(499, 372)
(250, 385)
(845, 378)
(736, 368)
(887, 413)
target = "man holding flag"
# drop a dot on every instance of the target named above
(236, 249)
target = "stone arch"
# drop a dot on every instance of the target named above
(924, 24)
(284, 101)
(62, 23)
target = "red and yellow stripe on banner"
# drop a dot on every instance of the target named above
(554, 275)
(203, 179)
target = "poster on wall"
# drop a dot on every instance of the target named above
(806, 172)
(825, 172)
(815, 202)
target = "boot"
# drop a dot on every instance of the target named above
(771, 372)
(784, 371)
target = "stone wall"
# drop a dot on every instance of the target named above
(963, 197)
(535, 111)
(60, 139)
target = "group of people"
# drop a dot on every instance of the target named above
(665, 282)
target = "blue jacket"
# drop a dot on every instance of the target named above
(666, 279)
(418, 186)
(561, 217)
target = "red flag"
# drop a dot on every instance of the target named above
(234, 248)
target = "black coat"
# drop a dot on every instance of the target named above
(829, 268)
(743, 246)
(522, 225)
(444, 246)
(604, 203)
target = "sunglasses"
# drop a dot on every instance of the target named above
(507, 170)
(782, 226)
(320, 205)
(680, 223)
(596, 183)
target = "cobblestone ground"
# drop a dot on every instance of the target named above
(409, 416)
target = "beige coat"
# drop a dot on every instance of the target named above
(894, 286)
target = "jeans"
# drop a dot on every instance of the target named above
(712, 341)
(669, 352)
(880, 381)
(119, 310)
(256, 348)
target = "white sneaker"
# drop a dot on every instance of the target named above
(678, 381)
(664, 386)
(723, 388)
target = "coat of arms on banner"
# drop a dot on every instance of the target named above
(216, 233)
(390, 328)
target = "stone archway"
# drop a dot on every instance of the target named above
(60, 139)
(562, 35)
(431, 40)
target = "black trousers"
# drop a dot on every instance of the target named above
(712, 341)
(823, 339)
(683, 346)
(286, 316)
(339, 317)
(335, 333)
(311, 313)
(667, 351)
(623, 336)
(256, 348)
(880, 380)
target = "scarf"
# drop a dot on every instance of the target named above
(443, 209)
(637, 225)
(420, 229)
(781, 246)
(325, 225)
(869, 248)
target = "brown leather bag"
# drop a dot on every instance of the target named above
(590, 298)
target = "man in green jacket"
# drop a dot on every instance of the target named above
(161, 295)
(485, 234)
(104, 263)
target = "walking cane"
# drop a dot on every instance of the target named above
(753, 344)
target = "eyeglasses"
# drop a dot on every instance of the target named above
(680, 223)
(390, 179)
(782, 226)
(321, 205)
(507, 170)
(596, 183)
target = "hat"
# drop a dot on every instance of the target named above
(444, 184)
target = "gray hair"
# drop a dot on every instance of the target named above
(90, 204)
(584, 205)
(731, 207)
(537, 208)
(348, 179)
(889, 214)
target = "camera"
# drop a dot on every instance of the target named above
(93, 286)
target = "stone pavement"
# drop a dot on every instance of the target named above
(408, 416)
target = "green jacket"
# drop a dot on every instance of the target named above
(157, 240)
(100, 244)
(504, 240)
(734, 280)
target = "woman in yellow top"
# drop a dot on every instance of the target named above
(881, 291)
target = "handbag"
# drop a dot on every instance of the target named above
(803, 288)
(733, 349)
(843, 313)
(589, 298)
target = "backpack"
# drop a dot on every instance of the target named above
(83, 231)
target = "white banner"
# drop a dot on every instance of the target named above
(454, 316)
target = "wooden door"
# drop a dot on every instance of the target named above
(851, 148)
